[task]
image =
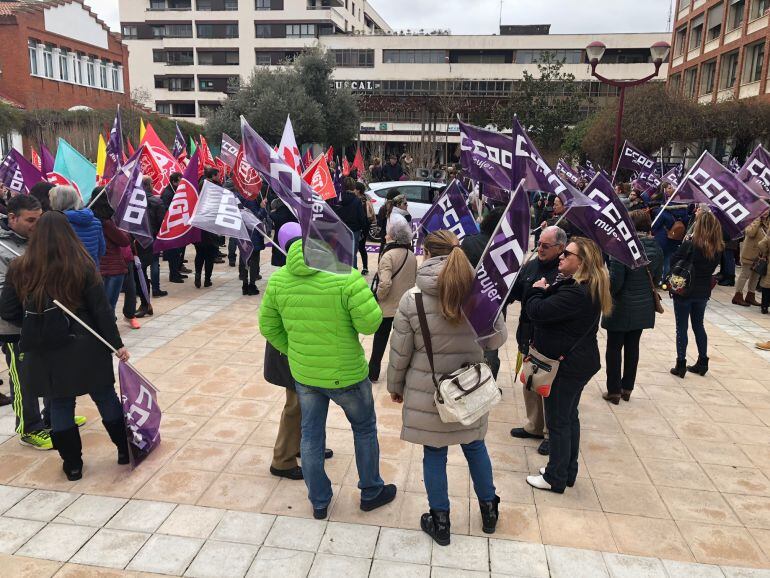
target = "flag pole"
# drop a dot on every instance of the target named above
(90, 204)
(14, 251)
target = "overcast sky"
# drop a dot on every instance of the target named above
(483, 16)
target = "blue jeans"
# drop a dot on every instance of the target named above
(727, 268)
(112, 286)
(155, 272)
(63, 408)
(434, 474)
(686, 310)
(358, 404)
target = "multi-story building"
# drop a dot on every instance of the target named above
(719, 49)
(57, 54)
(189, 53)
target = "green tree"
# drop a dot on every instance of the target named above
(303, 89)
(546, 105)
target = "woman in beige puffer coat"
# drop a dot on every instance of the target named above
(444, 279)
(753, 236)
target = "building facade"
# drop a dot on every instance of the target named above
(720, 50)
(57, 54)
(190, 53)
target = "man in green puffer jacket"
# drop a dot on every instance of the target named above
(315, 317)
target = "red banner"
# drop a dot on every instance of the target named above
(319, 178)
(246, 178)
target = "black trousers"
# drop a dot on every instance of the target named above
(204, 259)
(381, 337)
(765, 298)
(249, 273)
(622, 347)
(362, 250)
(174, 258)
(129, 287)
(562, 419)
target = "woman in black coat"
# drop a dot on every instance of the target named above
(565, 319)
(633, 311)
(699, 254)
(62, 360)
(280, 214)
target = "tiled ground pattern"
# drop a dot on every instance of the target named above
(681, 473)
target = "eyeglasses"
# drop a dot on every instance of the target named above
(546, 246)
(566, 254)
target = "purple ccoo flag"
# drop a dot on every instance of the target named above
(674, 176)
(47, 160)
(114, 158)
(735, 204)
(228, 152)
(141, 411)
(450, 212)
(609, 225)
(755, 173)
(569, 173)
(499, 266)
(131, 214)
(180, 145)
(633, 159)
(486, 155)
(217, 212)
(327, 244)
(18, 174)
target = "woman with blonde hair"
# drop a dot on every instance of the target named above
(698, 256)
(444, 280)
(565, 317)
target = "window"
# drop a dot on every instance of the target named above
(48, 61)
(130, 31)
(481, 58)
(675, 83)
(263, 5)
(218, 57)
(729, 71)
(175, 84)
(115, 79)
(414, 56)
(264, 59)
(354, 58)
(264, 30)
(534, 56)
(77, 75)
(224, 30)
(103, 75)
(679, 41)
(172, 30)
(758, 8)
(217, 5)
(715, 22)
(170, 4)
(90, 71)
(696, 33)
(32, 48)
(173, 57)
(683, 4)
(64, 64)
(754, 59)
(300, 30)
(176, 108)
(689, 81)
(735, 15)
(708, 77)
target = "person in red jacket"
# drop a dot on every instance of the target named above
(112, 265)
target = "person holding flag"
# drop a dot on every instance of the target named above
(62, 359)
(351, 211)
(444, 281)
(112, 265)
(692, 270)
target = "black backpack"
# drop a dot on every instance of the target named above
(48, 329)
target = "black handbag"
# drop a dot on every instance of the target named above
(376, 279)
(760, 267)
(46, 329)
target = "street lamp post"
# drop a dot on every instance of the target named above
(595, 51)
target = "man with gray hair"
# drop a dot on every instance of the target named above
(551, 244)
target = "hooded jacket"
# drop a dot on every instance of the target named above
(409, 372)
(315, 318)
(89, 230)
(352, 212)
(9, 331)
(113, 263)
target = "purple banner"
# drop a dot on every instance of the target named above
(229, 150)
(736, 205)
(633, 159)
(327, 243)
(450, 211)
(217, 212)
(131, 214)
(674, 176)
(18, 174)
(755, 173)
(142, 413)
(568, 172)
(499, 266)
(47, 160)
(609, 225)
(176, 230)
(486, 156)
(114, 148)
(142, 279)
(180, 145)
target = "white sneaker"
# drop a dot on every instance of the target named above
(542, 471)
(540, 483)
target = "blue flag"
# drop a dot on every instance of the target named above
(75, 168)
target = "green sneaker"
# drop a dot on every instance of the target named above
(80, 420)
(40, 440)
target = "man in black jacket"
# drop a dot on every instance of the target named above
(173, 256)
(552, 242)
(393, 171)
(352, 213)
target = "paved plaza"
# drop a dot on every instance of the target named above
(675, 483)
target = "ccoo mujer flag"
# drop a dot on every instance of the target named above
(450, 212)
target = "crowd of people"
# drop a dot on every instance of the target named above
(55, 250)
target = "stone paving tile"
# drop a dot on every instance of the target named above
(518, 558)
(296, 534)
(243, 527)
(622, 566)
(328, 565)
(111, 548)
(91, 510)
(10, 496)
(689, 570)
(349, 540)
(57, 542)
(464, 553)
(575, 563)
(281, 563)
(191, 521)
(386, 569)
(166, 554)
(14, 533)
(41, 505)
(141, 516)
(409, 546)
(222, 560)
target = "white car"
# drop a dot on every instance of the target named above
(419, 195)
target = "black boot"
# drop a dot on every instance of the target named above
(701, 367)
(436, 525)
(207, 282)
(245, 288)
(681, 368)
(253, 289)
(197, 281)
(68, 444)
(489, 515)
(117, 431)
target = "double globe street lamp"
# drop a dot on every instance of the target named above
(595, 52)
